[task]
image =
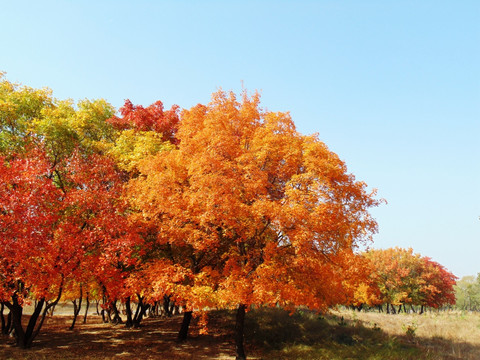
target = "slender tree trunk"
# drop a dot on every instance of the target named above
(97, 306)
(76, 308)
(140, 312)
(182, 334)
(137, 310)
(168, 306)
(87, 305)
(25, 337)
(128, 310)
(17, 312)
(6, 325)
(51, 310)
(239, 336)
(116, 315)
(104, 316)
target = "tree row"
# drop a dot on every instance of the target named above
(223, 205)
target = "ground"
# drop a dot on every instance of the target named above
(271, 334)
(155, 339)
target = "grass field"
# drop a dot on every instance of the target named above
(270, 334)
(360, 335)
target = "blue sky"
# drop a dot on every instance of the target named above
(393, 87)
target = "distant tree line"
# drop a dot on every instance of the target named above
(467, 292)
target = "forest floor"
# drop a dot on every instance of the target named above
(270, 334)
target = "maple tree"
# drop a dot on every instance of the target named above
(19, 106)
(406, 278)
(60, 206)
(263, 212)
(52, 220)
(224, 205)
(362, 284)
(141, 132)
(438, 285)
(33, 116)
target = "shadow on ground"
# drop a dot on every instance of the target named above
(155, 339)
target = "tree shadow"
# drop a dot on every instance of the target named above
(155, 339)
(305, 334)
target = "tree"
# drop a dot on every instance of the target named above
(364, 290)
(405, 278)
(54, 219)
(467, 293)
(19, 107)
(438, 285)
(265, 214)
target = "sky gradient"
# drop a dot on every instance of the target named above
(393, 87)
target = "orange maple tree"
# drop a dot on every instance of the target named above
(266, 215)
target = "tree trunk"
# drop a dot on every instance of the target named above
(167, 306)
(239, 337)
(17, 312)
(140, 312)
(24, 338)
(182, 334)
(116, 314)
(6, 325)
(51, 309)
(76, 308)
(87, 305)
(128, 310)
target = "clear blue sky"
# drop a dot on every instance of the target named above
(393, 87)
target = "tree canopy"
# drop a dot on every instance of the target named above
(223, 205)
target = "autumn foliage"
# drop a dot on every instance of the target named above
(223, 205)
(400, 277)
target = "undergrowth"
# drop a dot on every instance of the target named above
(307, 335)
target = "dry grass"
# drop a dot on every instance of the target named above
(443, 335)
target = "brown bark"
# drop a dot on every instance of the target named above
(87, 306)
(182, 334)
(24, 337)
(6, 324)
(239, 333)
(128, 310)
(140, 312)
(76, 308)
